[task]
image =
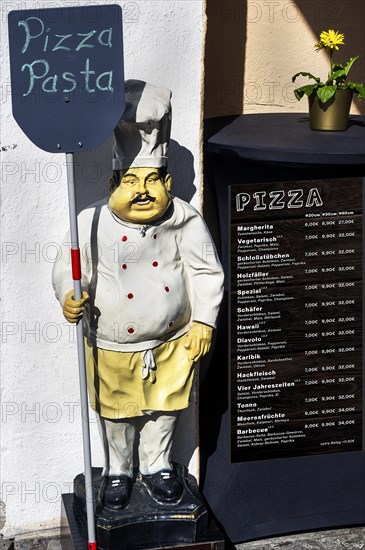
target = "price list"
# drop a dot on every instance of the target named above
(296, 318)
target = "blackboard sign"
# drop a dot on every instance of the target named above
(296, 318)
(67, 75)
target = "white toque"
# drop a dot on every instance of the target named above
(143, 133)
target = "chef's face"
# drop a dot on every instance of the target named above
(142, 196)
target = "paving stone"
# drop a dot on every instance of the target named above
(284, 544)
(38, 544)
(337, 539)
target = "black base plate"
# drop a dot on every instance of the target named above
(144, 523)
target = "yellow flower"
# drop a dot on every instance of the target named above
(331, 39)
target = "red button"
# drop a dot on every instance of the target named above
(124, 238)
(155, 264)
(131, 330)
(130, 296)
(167, 289)
(124, 266)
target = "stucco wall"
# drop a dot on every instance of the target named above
(254, 47)
(40, 426)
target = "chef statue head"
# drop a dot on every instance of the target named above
(140, 184)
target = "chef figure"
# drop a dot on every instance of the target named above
(152, 286)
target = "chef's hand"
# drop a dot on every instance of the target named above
(198, 340)
(73, 309)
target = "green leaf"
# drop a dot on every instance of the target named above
(340, 72)
(309, 75)
(350, 63)
(358, 88)
(326, 92)
(336, 75)
(305, 90)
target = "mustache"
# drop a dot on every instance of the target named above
(144, 196)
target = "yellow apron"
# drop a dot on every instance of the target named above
(124, 385)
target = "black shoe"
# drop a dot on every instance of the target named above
(117, 492)
(164, 486)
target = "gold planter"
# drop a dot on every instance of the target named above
(333, 115)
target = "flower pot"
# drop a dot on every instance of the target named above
(333, 115)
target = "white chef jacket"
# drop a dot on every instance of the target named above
(146, 283)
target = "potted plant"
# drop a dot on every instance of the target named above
(330, 100)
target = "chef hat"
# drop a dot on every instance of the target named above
(143, 133)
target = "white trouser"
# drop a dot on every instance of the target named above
(156, 432)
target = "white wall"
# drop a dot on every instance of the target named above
(40, 425)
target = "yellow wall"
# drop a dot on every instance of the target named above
(253, 47)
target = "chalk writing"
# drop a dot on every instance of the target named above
(104, 37)
(38, 34)
(103, 81)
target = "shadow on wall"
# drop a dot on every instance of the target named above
(181, 168)
(92, 173)
(347, 17)
(94, 168)
(225, 57)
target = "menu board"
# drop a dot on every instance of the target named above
(296, 318)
